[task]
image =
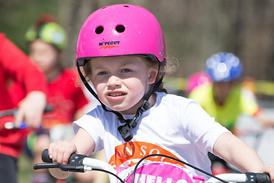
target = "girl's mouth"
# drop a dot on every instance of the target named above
(116, 97)
(116, 94)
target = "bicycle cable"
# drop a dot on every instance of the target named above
(178, 160)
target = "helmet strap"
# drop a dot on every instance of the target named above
(124, 130)
(94, 94)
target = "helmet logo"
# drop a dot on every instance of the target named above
(109, 44)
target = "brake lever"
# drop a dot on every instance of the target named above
(75, 163)
(72, 168)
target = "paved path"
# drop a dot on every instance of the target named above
(261, 139)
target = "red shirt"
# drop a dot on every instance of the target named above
(16, 66)
(64, 94)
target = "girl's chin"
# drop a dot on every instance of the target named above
(123, 110)
(120, 109)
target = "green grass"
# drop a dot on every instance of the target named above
(24, 169)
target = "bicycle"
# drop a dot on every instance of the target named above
(82, 163)
(10, 125)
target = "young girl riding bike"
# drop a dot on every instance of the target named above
(121, 49)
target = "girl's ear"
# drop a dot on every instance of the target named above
(152, 75)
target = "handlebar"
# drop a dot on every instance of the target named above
(78, 163)
(13, 112)
(75, 163)
(248, 177)
(82, 163)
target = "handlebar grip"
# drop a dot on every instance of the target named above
(263, 178)
(72, 158)
(45, 156)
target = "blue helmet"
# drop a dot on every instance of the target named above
(224, 67)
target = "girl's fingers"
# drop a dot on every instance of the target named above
(66, 156)
(53, 151)
(61, 151)
(270, 170)
(54, 155)
(60, 155)
(50, 151)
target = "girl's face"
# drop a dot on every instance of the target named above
(44, 55)
(121, 82)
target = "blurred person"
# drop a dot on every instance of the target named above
(16, 66)
(196, 79)
(47, 39)
(226, 98)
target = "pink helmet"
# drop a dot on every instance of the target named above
(118, 30)
(195, 80)
(121, 29)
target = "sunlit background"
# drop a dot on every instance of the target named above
(194, 30)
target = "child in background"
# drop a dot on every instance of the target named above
(121, 49)
(47, 39)
(225, 98)
(16, 66)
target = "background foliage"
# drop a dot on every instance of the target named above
(194, 29)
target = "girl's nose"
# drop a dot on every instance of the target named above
(113, 81)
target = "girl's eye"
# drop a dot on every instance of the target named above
(102, 73)
(125, 70)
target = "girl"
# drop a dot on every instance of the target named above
(121, 49)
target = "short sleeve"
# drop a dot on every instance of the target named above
(202, 129)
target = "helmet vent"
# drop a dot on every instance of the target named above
(99, 30)
(120, 28)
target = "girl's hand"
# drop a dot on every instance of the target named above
(270, 170)
(60, 151)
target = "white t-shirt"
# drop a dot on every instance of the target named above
(174, 126)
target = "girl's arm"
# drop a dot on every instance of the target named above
(238, 153)
(60, 151)
(84, 142)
